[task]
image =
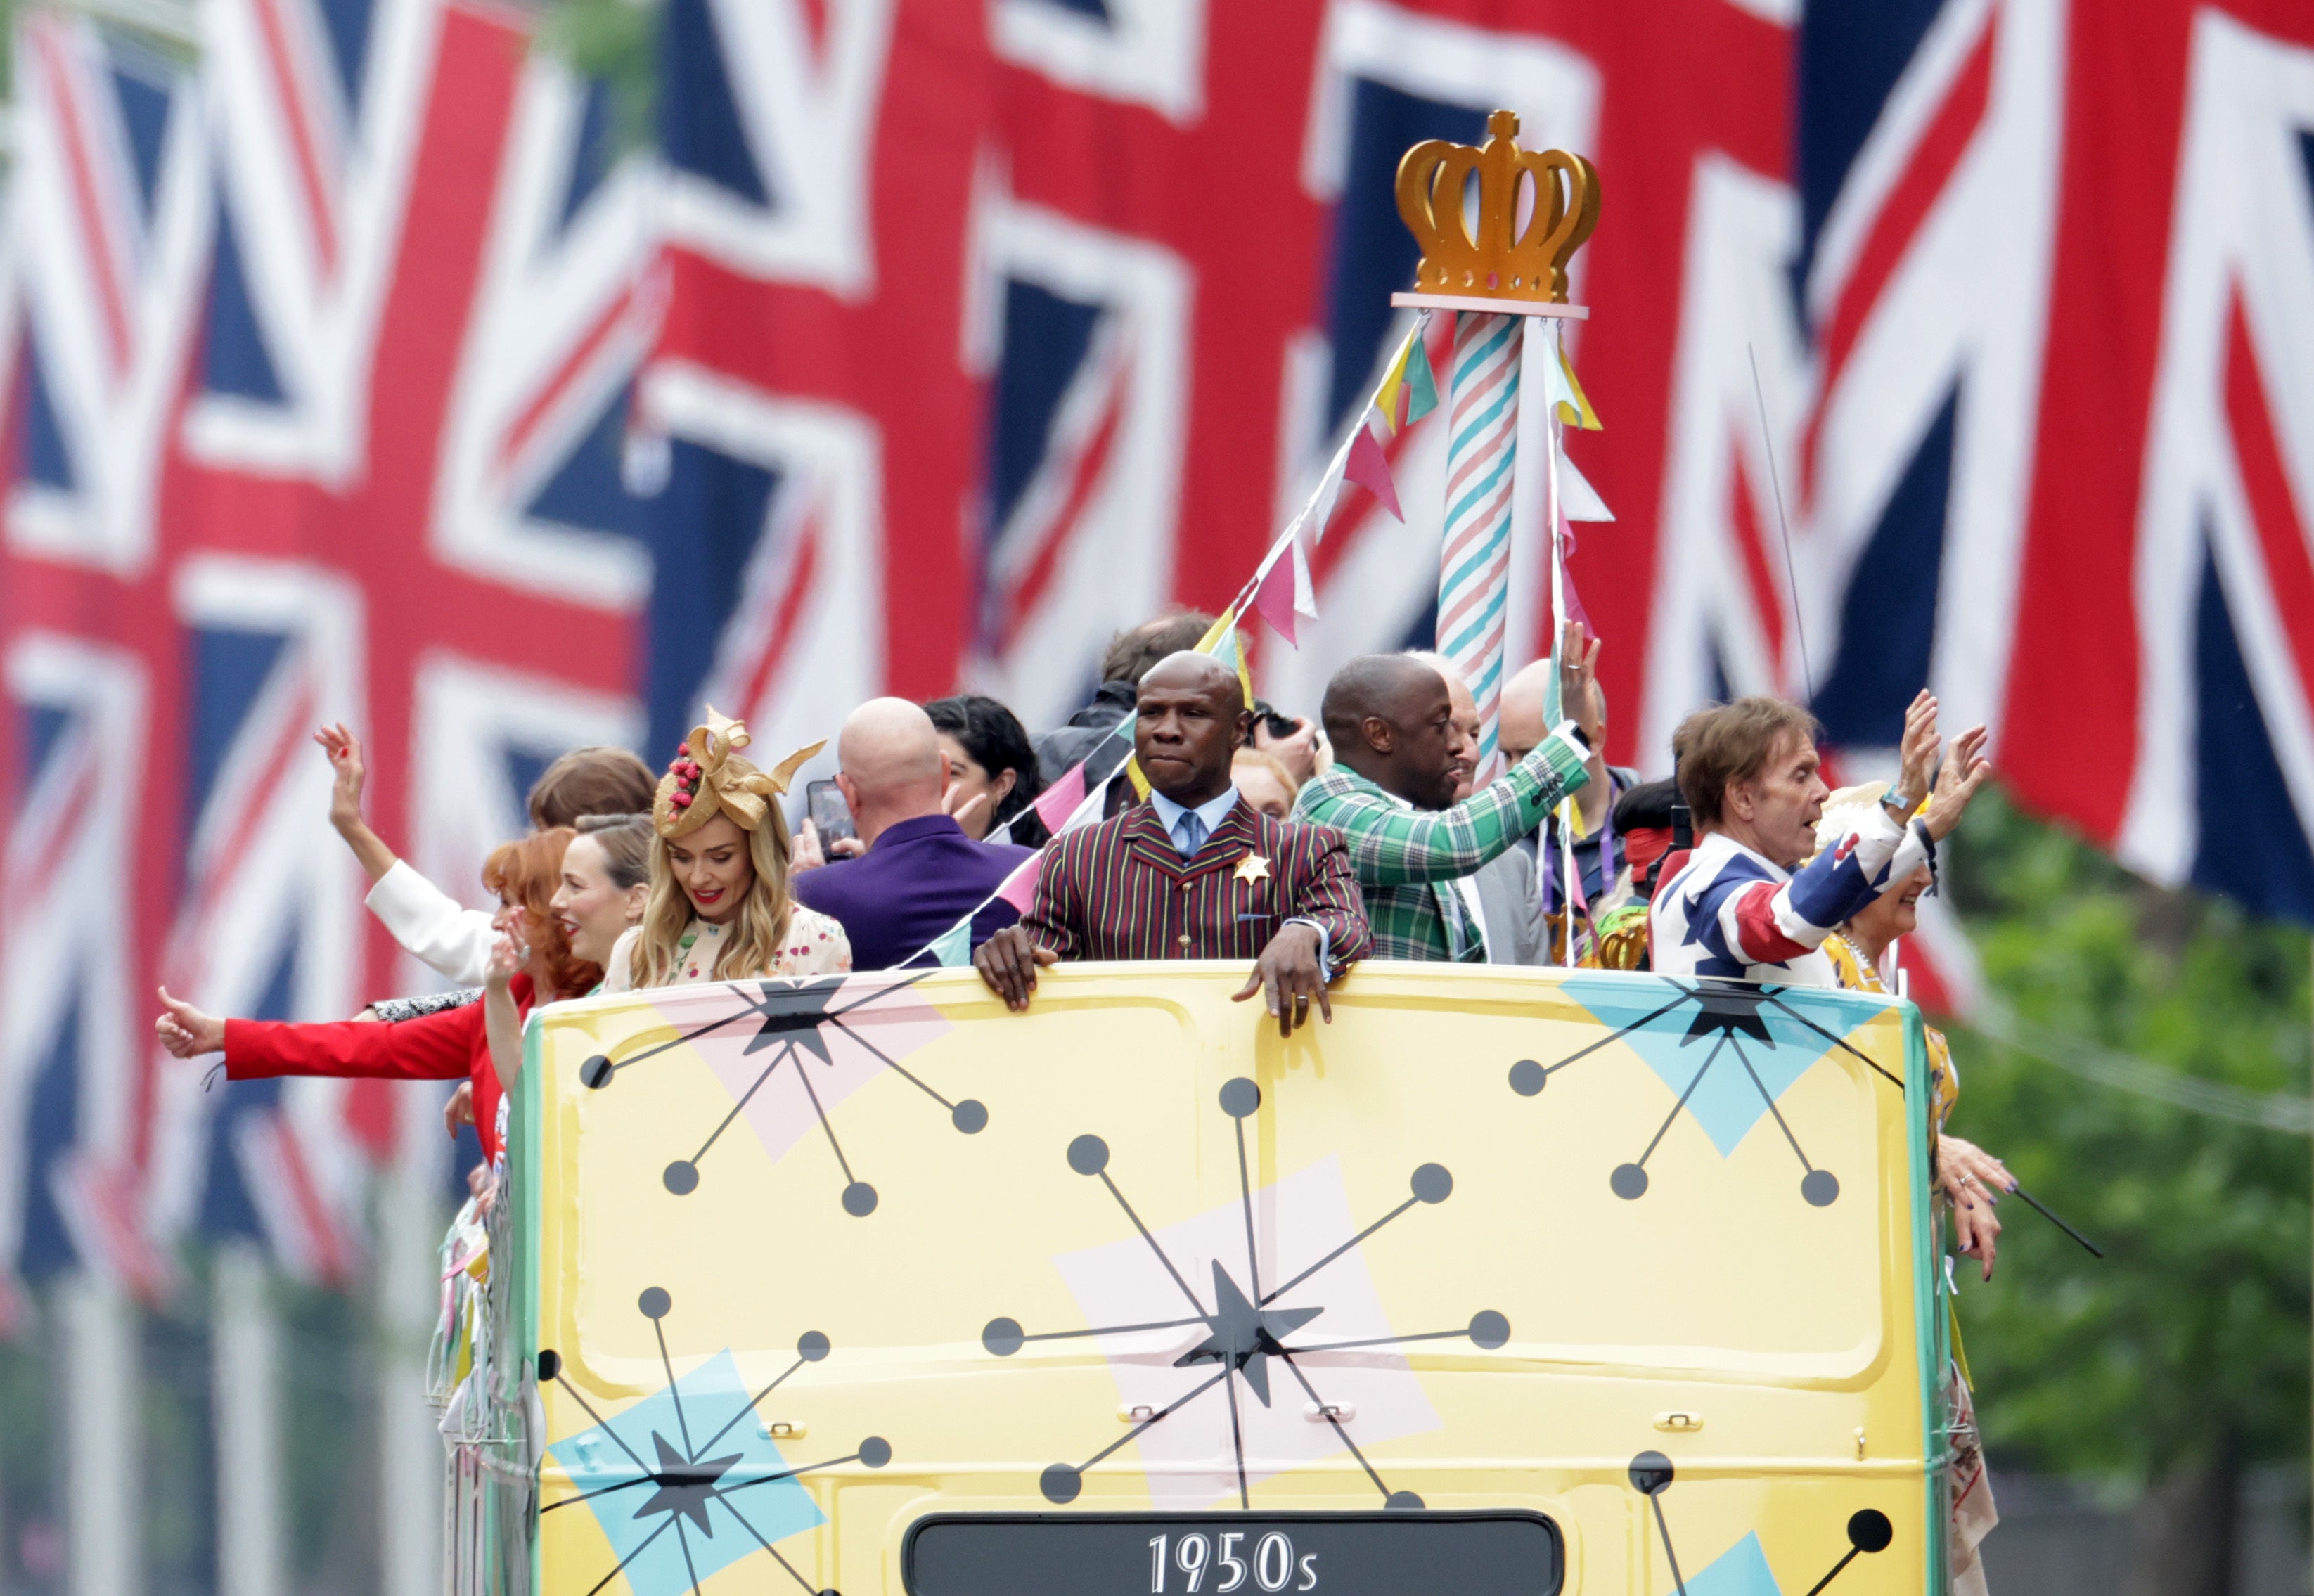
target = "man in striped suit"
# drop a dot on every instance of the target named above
(1196, 873)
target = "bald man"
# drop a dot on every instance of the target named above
(920, 874)
(1599, 852)
(1195, 873)
(1502, 891)
(1391, 796)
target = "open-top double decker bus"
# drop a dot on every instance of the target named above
(1505, 1283)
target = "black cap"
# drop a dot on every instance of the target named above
(1647, 804)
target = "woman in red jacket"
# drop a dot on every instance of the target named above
(452, 1044)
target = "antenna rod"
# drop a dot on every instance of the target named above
(1791, 576)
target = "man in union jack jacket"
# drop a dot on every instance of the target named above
(1743, 906)
(1390, 794)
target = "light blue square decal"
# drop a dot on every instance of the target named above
(1756, 1039)
(686, 1482)
(1742, 1570)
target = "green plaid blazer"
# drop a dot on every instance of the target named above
(1407, 860)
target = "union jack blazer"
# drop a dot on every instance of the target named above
(1119, 891)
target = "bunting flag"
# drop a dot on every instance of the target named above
(1281, 592)
(1386, 397)
(1438, 347)
(1567, 395)
(1578, 499)
(1056, 803)
(1224, 643)
(1018, 889)
(1369, 468)
(1421, 391)
(954, 945)
(1319, 511)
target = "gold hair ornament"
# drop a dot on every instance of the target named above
(709, 778)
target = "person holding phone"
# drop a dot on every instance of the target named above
(921, 872)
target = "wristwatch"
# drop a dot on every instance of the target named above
(1899, 803)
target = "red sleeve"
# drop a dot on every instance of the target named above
(1759, 933)
(433, 1047)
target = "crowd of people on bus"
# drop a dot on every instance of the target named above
(1297, 845)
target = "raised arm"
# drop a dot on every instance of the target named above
(351, 772)
(432, 926)
(1587, 702)
(1392, 846)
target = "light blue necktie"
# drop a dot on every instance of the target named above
(1189, 833)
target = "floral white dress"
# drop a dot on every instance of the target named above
(815, 945)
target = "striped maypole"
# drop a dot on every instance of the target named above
(1501, 269)
(1474, 564)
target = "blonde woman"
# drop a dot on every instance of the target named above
(1967, 1176)
(719, 909)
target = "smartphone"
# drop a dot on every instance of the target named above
(824, 803)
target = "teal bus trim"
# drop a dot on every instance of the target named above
(1928, 1296)
(524, 1172)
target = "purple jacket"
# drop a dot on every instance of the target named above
(921, 877)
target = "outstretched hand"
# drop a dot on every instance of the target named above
(349, 770)
(1971, 1176)
(185, 1031)
(1580, 698)
(805, 852)
(1966, 769)
(459, 1109)
(1917, 752)
(508, 955)
(959, 808)
(1008, 962)
(1297, 752)
(1289, 974)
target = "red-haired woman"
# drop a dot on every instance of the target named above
(453, 1045)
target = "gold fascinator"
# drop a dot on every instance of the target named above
(709, 778)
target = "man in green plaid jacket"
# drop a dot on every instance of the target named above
(1391, 796)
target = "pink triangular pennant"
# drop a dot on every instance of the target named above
(1056, 803)
(1305, 597)
(1274, 596)
(1020, 888)
(1369, 468)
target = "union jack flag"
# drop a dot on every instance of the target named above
(2057, 456)
(353, 369)
(322, 364)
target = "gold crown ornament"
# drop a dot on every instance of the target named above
(1500, 261)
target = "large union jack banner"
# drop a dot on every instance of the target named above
(355, 373)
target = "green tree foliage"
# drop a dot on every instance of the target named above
(2187, 1348)
(614, 41)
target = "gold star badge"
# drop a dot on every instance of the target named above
(1253, 867)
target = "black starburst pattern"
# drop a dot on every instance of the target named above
(1244, 1332)
(1733, 1016)
(794, 1018)
(689, 1477)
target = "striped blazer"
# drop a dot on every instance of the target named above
(1119, 890)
